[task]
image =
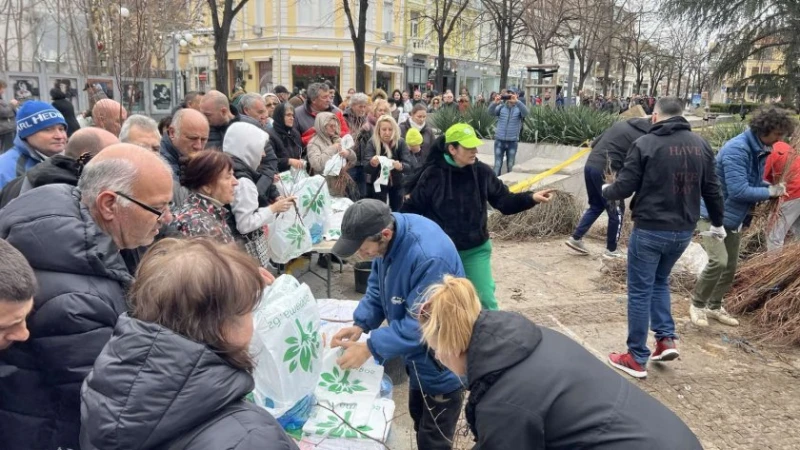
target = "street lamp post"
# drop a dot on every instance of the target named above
(183, 39)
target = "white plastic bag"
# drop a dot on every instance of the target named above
(386, 164)
(353, 391)
(334, 166)
(325, 425)
(693, 260)
(288, 238)
(286, 344)
(290, 180)
(338, 207)
(314, 202)
(348, 142)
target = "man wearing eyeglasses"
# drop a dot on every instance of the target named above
(72, 239)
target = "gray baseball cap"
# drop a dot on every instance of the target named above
(363, 219)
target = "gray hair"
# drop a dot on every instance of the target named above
(116, 175)
(248, 101)
(177, 120)
(359, 98)
(314, 89)
(138, 121)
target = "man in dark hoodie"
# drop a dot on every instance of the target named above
(66, 168)
(608, 153)
(532, 388)
(187, 134)
(670, 169)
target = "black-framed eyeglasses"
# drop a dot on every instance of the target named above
(144, 206)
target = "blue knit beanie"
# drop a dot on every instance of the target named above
(35, 116)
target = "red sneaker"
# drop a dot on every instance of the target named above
(665, 350)
(626, 363)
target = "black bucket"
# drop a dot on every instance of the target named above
(361, 270)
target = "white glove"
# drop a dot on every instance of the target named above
(718, 232)
(777, 190)
(603, 188)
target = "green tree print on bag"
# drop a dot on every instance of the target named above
(337, 428)
(301, 351)
(336, 381)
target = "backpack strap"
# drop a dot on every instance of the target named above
(182, 443)
(22, 161)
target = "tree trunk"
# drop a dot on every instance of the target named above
(680, 82)
(361, 79)
(505, 58)
(606, 75)
(440, 66)
(221, 57)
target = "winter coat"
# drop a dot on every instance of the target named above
(200, 216)
(610, 149)
(81, 291)
(422, 253)
(268, 167)
(740, 168)
(249, 209)
(58, 169)
(286, 141)
(304, 117)
(321, 148)
(400, 153)
(18, 160)
(457, 199)
(776, 171)
(533, 388)
(361, 129)
(427, 142)
(217, 134)
(8, 118)
(67, 110)
(172, 156)
(151, 387)
(670, 169)
(510, 119)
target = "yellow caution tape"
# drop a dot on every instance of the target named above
(524, 185)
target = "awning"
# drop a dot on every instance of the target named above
(314, 61)
(381, 67)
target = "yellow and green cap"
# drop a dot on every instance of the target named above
(413, 137)
(463, 134)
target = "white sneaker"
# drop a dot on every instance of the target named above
(698, 316)
(722, 316)
(613, 255)
(577, 245)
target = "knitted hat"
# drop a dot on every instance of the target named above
(34, 116)
(413, 137)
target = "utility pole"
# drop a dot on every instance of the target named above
(573, 46)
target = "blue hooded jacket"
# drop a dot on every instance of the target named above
(17, 161)
(419, 256)
(740, 169)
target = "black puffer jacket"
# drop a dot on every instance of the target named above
(82, 280)
(610, 148)
(67, 110)
(285, 140)
(457, 199)
(151, 387)
(533, 388)
(56, 169)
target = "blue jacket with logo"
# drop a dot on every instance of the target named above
(509, 122)
(419, 256)
(740, 169)
(18, 160)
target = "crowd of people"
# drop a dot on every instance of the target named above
(134, 253)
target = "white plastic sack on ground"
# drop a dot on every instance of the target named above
(337, 434)
(693, 260)
(314, 202)
(334, 166)
(288, 238)
(348, 391)
(286, 344)
(386, 165)
(338, 206)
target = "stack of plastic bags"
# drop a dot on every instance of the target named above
(297, 230)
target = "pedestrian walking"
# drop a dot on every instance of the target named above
(670, 169)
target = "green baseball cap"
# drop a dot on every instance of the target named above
(463, 134)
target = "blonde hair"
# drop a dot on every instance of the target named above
(448, 315)
(376, 135)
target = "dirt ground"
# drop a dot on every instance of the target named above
(732, 392)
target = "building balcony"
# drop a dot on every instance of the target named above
(420, 46)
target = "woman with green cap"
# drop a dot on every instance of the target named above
(454, 190)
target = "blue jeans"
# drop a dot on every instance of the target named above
(507, 149)
(651, 255)
(598, 204)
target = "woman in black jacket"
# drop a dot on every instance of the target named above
(285, 139)
(533, 388)
(386, 141)
(455, 190)
(64, 106)
(176, 371)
